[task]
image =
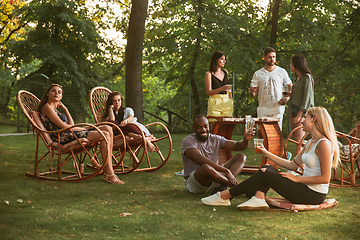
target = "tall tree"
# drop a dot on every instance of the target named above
(133, 57)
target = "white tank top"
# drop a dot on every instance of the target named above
(312, 167)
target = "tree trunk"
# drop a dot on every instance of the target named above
(191, 70)
(274, 22)
(133, 57)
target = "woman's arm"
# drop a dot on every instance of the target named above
(67, 113)
(208, 88)
(307, 97)
(290, 165)
(111, 116)
(128, 116)
(54, 118)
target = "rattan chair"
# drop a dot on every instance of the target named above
(348, 172)
(72, 158)
(137, 150)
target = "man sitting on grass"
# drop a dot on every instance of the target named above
(200, 154)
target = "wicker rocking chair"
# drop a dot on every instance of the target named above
(137, 150)
(72, 158)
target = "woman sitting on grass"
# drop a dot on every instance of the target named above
(115, 112)
(319, 154)
(53, 120)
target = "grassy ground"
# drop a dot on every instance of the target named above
(161, 208)
(7, 129)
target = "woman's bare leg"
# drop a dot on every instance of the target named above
(149, 145)
(106, 150)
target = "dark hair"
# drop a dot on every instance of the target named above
(44, 99)
(109, 102)
(299, 63)
(197, 116)
(213, 62)
(268, 50)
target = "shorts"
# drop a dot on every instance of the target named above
(193, 186)
(220, 105)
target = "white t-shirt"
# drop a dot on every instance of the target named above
(270, 90)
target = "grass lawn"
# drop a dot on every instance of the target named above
(158, 202)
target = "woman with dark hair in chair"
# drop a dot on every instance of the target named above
(116, 112)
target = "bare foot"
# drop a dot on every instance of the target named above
(150, 146)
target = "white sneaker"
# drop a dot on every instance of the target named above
(215, 200)
(253, 204)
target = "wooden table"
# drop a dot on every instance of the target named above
(269, 129)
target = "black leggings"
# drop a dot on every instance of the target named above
(298, 193)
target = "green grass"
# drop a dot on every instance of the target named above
(7, 129)
(161, 207)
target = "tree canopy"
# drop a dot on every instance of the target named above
(62, 40)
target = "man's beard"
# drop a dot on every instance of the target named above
(203, 138)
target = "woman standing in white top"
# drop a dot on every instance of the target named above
(319, 155)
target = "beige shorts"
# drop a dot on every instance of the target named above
(193, 186)
(220, 105)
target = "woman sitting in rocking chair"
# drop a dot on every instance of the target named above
(115, 112)
(53, 120)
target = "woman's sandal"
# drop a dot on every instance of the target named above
(108, 176)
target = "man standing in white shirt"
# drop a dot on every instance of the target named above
(269, 81)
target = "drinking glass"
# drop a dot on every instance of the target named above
(249, 123)
(257, 142)
(285, 91)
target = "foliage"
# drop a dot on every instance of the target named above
(10, 11)
(64, 39)
(61, 39)
(175, 29)
(316, 29)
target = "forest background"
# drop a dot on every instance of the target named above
(64, 41)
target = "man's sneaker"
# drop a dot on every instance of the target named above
(253, 204)
(215, 200)
(180, 173)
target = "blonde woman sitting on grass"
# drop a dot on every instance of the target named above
(319, 155)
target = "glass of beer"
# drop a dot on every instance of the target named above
(258, 142)
(286, 91)
(229, 91)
